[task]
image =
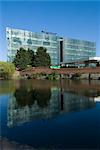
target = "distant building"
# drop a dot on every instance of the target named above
(60, 49)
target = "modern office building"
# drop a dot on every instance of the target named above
(21, 38)
(60, 49)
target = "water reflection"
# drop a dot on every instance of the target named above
(28, 97)
(51, 115)
(32, 102)
(41, 101)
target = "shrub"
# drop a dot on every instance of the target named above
(6, 70)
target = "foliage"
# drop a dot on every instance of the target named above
(28, 97)
(53, 76)
(6, 70)
(23, 58)
(41, 75)
(26, 58)
(31, 56)
(42, 58)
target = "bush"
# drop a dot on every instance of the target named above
(53, 76)
(6, 70)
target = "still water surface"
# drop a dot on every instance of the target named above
(45, 114)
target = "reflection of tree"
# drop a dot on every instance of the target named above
(25, 96)
(42, 96)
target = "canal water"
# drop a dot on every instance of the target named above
(51, 114)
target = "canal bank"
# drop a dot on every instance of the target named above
(62, 73)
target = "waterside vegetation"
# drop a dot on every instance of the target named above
(6, 70)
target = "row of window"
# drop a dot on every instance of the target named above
(48, 43)
(54, 50)
(75, 41)
(77, 55)
(77, 47)
(31, 42)
(78, 52)
(73, 60)
(23, 33)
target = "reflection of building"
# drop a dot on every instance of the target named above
(61, 50)
(59, 102)
(74, 102)
(18, 115)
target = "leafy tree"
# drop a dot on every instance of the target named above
(6, 70)
(23, 58)
(31, 56)
(42, 58)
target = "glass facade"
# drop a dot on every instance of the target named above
(78, 50)
(21, 38)
(60, 49)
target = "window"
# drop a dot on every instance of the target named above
(36, 42)
(46, 43)
(54, 44)
(17, 40)
(53, 38)
(46, 37)
(29, 41)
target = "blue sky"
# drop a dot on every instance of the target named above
(75, 19)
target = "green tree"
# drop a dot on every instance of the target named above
(42, 58)
(23, 58)
(31, 56)
(6, 70)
